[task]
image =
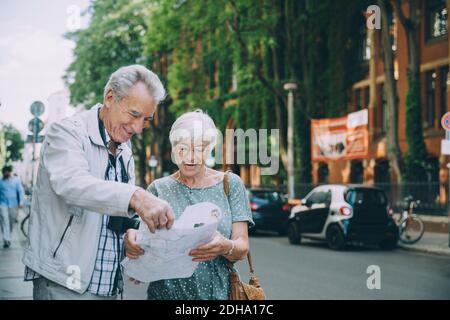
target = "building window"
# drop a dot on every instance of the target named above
(366, 97)
(379, 110)
(383, 109)
(323, 173)
(382, 179)
(382, 174)
(393, 34)
(436, 18)
(443, 92)
(431, 104)
(358, 99)
(357, 172)
(366, 53)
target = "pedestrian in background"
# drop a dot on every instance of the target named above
(11, 199)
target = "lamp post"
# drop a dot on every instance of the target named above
(290, 87)
(153, 162)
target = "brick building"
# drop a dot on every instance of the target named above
(434, 66)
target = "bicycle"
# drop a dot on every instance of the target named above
(411, 227)
(24, 223)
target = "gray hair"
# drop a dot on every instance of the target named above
(124, 78)
(195, 124)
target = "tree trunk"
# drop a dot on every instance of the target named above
(393, 146)
(415, 159)
(304, 122)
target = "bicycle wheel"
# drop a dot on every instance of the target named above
(411, 229)
(24, 226)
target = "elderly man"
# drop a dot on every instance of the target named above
(85, 195)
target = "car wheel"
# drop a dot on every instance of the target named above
(335, 238)
(389, 244)
(294, 235)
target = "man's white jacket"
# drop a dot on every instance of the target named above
(69, 198)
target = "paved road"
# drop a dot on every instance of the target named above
(308, 271)
(312, 271)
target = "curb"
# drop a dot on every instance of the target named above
(425, 250)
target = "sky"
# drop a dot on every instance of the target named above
(33, 53)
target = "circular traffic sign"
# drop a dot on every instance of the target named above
(35, 125)
(37, 108)
(445, 121)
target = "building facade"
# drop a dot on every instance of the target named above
(370, 93)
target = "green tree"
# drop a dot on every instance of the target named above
(229, 57)
(259, 45)
(14, 144)
(112, 40)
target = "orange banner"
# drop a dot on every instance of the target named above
(341, 138)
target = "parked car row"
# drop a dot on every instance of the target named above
(270, 210)
(337, 214)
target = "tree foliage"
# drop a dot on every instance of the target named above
(230, 58)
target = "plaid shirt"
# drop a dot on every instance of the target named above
(107, 276)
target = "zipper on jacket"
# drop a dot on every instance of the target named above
(64, 233)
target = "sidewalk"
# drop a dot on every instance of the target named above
(12, 285)
(435, 239)
(431, 242)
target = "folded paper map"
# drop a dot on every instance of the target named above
(167, 251)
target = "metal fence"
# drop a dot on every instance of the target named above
(433, 196)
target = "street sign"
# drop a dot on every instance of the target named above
(35, 125)
(445, 121)
(37, 108)
(39, 139)
(445, 147)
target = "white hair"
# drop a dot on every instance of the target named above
(195, 124)
(124, 78)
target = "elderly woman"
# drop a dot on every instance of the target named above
(193, 135)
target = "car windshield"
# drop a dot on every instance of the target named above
(366, 197)
(272, 196)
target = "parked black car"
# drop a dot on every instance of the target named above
(270, 210)
(341, 214)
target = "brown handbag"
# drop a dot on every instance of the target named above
(240, 290)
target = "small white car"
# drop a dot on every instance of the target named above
(342, 214)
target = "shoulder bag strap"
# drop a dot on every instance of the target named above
(226, 189)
